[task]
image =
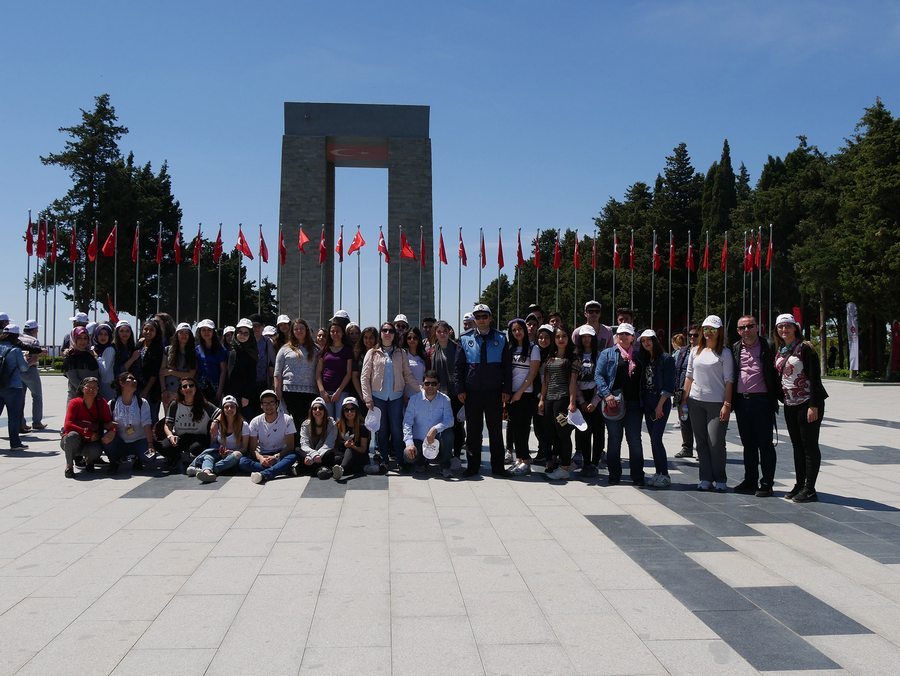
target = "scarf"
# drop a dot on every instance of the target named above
(626, 355)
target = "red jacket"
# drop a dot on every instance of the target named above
(86, 421)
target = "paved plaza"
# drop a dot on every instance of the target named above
(164, 575)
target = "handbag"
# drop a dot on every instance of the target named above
(615, 411)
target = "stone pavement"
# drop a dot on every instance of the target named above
(160, 575)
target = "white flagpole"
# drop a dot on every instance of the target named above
(671, 245)
(96, 261)
(537, 270)
(499, 231)
(615, 251)
(116, 264)
(198, 243)
(399, 274)
(725, 287)
(380, 235)
(322, 285)
(480, 259)
(239, 254)
(300, 276)
(653, 279)
(687, 267)
(440, 272)
(137, 266)
(631, 267)
(259, 275)
(421, 265)
(74, 272)
(459, 288)
(159, 269)
(758, 246)
(219, 291)
(769, 327)
(744, 275)
(341, 271)
(28, 274)
(518, 274)
(358, 288)
(55, 294)
(575, 291)
(557, 272)
(47, 237)
(706, 257)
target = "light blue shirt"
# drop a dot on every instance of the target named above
(386, 393)
(15, 365)
(421, 415)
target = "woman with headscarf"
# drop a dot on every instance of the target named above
(79, 361)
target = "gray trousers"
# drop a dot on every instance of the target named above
(74, 444)
(31, 379)
(709, 435)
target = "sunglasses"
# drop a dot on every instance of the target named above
(349, 410)
(430, 383)
(388, 330)
(129, 379)
(318, 409)
(188, 386)
(747, 327)
(693, 335)
(482, 316)
(710, 329)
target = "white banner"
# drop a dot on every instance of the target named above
(853, 336)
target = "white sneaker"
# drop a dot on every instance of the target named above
(508, 458)
(662, 481)
(337, 472)
(256, 477)
(206, 476)
(191, 471)
(521, 469)
(559, 474)
(704, 486)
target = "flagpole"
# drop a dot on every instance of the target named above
(74, 271)
(322, 283)
(615, 251)
(751, 273)
(557, 274)
(440, 271)
(116, 264)
(671, 250)
(518, 274)
(219, 289)
(759, 249)
(499, 234)
(259, 276)
(199, 244)
(96, 261)
(341, 271)
(28, 274)
(631, 266)
(744, 294)
(55, 294)
(459, 288)
(159, 269)
(380, 235)
(725, 287)
(575, 290)
(421, 263)
(358, 289)
(46, 228)
(178, 291)
(769, 327)
(300, 276)
(278, 266)
(480, 259)
(594, 261)
(537, 270)
(137, 266)
(399, 273)
(706, 260)
(239, 253)
(688, 267)
(653, 280)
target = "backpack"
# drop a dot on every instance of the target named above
(4, 372)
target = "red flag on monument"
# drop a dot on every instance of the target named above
(323, 250)
(242, 244)
(282, 249)
(577, 257)
(197, 246)
(339, 247)
(357, 243)
(617, 259)
(557, 254)
(263, 249)
(177, 245)
(93, 244)
(631, 253)
(462, 251)
(520, 259)
(29, 239)
(73, 245)
(442, 254)
(382, 246)
(42, 239)
(499, 252)
(217, 247)
(724, 264)
(481, 253)
(52, 257)
(422, 248)
(406, 251)
(302, 240)
(109, 246)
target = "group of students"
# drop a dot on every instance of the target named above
(231, 403)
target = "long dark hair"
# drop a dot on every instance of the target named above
(420, 350)
(222, 421)
(360, 349)
(199, 404)
(127, 346)
(316, 434)
(526, 343)
(569, 351)
(342, 426)
(655, 352)
(394, 340)
(156, 345)
(215, 341)
(190, 352)
(594, 348)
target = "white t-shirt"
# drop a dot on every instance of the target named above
(131, 419)
(271, 435)
(231, 441)
(710, 372)
(520, 368)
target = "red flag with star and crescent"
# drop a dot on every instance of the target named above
(29, 239)
(93, 244)
(357, 243)
(464, 259)
(52, 256)
(672, 264)
(442, 253)
(537, 251)
(617, 259)
(499, 252)
(263, 249)
(406, 251)
(705, 264)
(135, 243)
(481, 253)
(339, 247)
(724, 264)
(282, 249)
(177, 245)
(382, 246)
(557, 254)
(217, 247)
(657, 259)
(197, 246)
(73, 245)
(323, 250)
(631, 253)
(302, 240)
(422, 248)
(577, 257)
(769, 254)
(42, 239)
(520, 259)
(757, 263)
(691, 265)
(109, 246)
(594, 254)
(242, 244)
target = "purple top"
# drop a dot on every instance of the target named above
(334, 366)
(750, 379)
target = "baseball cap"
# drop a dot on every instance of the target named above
(268, 393)
(481, 307)
(30, 324)
(625, 327)
(245, 324)
(781, 319)
(586, 330)
(12, 329)
(593, 303)
(183, 326)
(229, 399)
(270, 331)
(468, 317)
(283, 319)
(80, 317)
(648, 333)
(228, 329)
(4, 317)
(401, 318)
(715, 321)
(206, 324)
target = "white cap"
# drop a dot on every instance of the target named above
(268, 393)
(373, 419)
(270, 331)
(481, 307)
(30, 324)
(228, 329)
(430, 451)
(206, 324)
(11, 328)
(183, 326)
(229, 399)
(283, 319)
(586, 330)
(625, 327)
(354, 324)
(781, 319)
(577, 420)
(343, 314)
(714, 321)
(245, 323)
(4, 317)
(648, 333)
(546, 327)
(318, 401)
(350, 401)
(121, 323)
(401, 318)
(80, 317)
(468, 317)
(592, 303)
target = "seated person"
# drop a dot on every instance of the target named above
(133, 426)
(187, 424)
(428, 417)
(318, 435)
(230, 435)
(271, 449)
(88, 425)
(352, 452)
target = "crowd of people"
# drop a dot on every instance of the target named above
(405, 398)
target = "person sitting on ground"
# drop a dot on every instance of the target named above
(187, 424)
(318, 435)
(353, 437)
(78, 361)
(429, 419)
(87, 426)
(271, 450)
(230, 437)
(134, 428)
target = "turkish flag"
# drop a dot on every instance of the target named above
(42, 239)
(357, 243)
(705, 264)
(93, 244)
(111, 310)
(631, 253)
(29, 239)
(757, 262)
(282, 249)
(52, 256)
(481, 253)
(537, 251)
(657, 259)
(159, 251)
(135, 243)
(691, 265)
(109, 246)
(422, 248)
(617, 259)
(748, 255)
(176, 245)
(520, 259)
(769, 254)
(197, 246)
(594, 254)
(442, 254)
(73, 245)
(339, 247)
(557, 255)
(263, 249)
(499, 252)
(323, 250)
(577, 258)
(724, 264)
(302, 240)
(382, 246)
(242, 244)
(217, 247)
(672, 264)
(406, 251)
(462, 251)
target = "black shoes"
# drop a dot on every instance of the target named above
(764, 492)
(791, 494)
(806, 495)
(70, 473)
(746, 488)
(471, 471)
(684, 453)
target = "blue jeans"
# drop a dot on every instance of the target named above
(630, 426)
(334, 408)
(12, 398)
(281, 467)
(31, 379)
(120, 449)
(211, 460)
(390, 434)
(655, 429)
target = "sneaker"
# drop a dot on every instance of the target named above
(372, 468)
(191, 470)
(662, 481)
(685, 453)
(589, 471)
(19, 447)
(746, 487)
(324, 473)
(677, 425)
(806, 495)
(508, 459)
(791, 494)
(257, 478)
(704, 486)
(720, 487)
(70, 473)
(559, 474)
(578, 461)
(25, 429)
(764, 492)
(651, 480)
(292, 470)
(337, 472)
(38, 426)
(206, 476)
(521, 469)
(455, 465)
(112, 468)
(446, 473)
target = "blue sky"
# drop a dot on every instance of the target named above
(539, 112)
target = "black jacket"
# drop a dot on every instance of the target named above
(770, 376)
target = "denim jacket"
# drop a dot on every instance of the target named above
(663, 380)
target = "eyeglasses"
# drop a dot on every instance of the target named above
(709, 329)
(349, 409)
(430, 383)
(482, 316)
(693, 335)
(318, 409)
(388, 330)
(746, 327)
(188, 386)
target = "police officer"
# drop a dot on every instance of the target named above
(484, 384)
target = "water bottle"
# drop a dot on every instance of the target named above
(683, 413)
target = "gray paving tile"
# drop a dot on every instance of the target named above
(691, 539)
(158, 487)
(317, 488)
(802, 612)
(764, 642)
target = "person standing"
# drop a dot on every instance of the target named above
(657, 386)
(557, 400)
(442, 357)
(484, 382)
(526, 362)
(797, 365)
(755, 404)
(295, 371)
(240, 382)
(12, 391)
(681, 362)
(31, 379)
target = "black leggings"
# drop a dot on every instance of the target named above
(297, 405)
(518, 426)
(194, 444)
(592, 441)
(805, 440)
(559, 436)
